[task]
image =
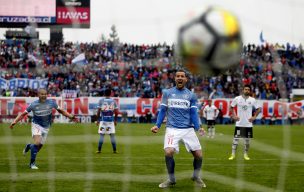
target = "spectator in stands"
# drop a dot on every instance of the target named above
(133, 119)
(273, 120)
(124, 117)
(142, 119)
(149, 117)
(142, 70)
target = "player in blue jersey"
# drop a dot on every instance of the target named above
(180, 106)
(41, 122)
(107, 114)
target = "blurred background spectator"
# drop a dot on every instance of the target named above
(143, 70)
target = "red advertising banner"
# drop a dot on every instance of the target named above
(73, 15)
(87, 106)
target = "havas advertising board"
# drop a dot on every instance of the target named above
(73, 13)
(45, 13)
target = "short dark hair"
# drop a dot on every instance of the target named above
(248, 86)
(182, 70)
(108, 92)
(42, 89)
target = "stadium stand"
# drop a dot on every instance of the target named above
(142, 70)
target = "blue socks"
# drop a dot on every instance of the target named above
(197, 165)
(100, 142)
(34, 151)
(170, 167)
(113, 141)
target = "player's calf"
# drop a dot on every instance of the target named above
(26, 148)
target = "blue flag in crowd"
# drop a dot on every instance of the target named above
(261, 37)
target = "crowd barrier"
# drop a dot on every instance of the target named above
(86, 107)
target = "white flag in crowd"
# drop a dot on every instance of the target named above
(80, 59)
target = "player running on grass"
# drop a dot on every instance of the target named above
(41, 123)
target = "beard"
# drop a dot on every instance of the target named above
(247, 94)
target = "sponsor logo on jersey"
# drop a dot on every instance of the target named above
(43, 113)
(178, 103)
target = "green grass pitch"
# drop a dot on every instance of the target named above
(68, 161)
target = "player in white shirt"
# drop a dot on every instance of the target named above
(244, 119)
(210, 112)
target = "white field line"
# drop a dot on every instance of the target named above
(51, 163)
(12, 160)
(207, 176)
(143, 140)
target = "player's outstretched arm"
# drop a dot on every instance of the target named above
(18, 118)
(154, 129)
(68, 115)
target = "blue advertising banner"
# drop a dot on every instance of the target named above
(23, 83)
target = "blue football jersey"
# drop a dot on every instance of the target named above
(179, 103)
(107, 106)
(42, 112)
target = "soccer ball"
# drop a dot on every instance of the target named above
(211, 42)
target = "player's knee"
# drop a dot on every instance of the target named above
(197, 154)
(246, 141)
(37, 139)
(169, 152)
(37, 143)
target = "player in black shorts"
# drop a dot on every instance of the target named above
(243, 119)
(210, 112)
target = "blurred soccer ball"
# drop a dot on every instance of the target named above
(210, 43)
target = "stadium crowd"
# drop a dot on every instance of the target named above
(144, 70)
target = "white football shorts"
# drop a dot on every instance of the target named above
(173, 136)
(106, 127)
(39, 130)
